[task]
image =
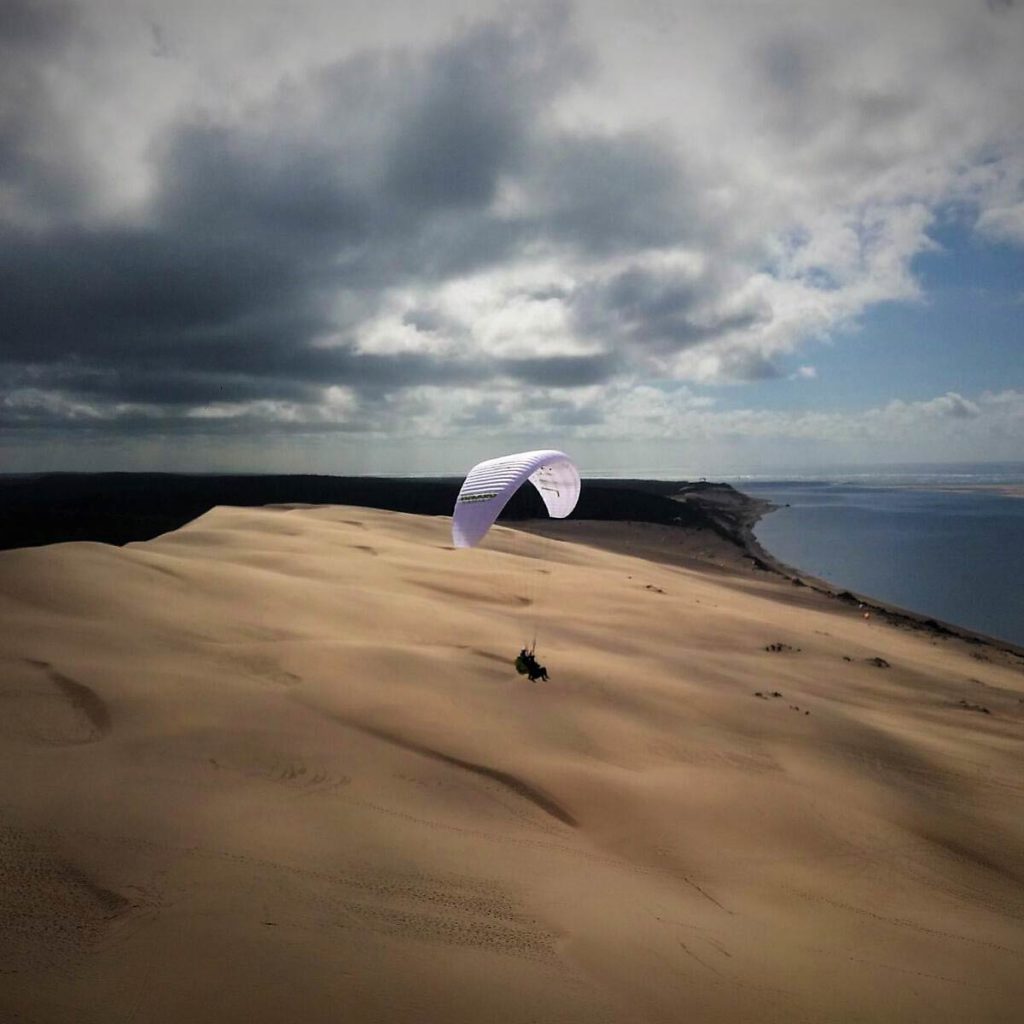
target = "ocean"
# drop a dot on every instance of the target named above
(904, 535)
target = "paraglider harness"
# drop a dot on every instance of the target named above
(526, 665)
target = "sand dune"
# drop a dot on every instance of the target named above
(277, 766)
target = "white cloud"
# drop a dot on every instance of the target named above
(1003, 223)
(950, 404)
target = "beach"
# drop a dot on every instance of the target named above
(277, 765)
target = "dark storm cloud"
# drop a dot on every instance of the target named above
(790, 64)
(34, 25)
(659, 311)
(114, 313)
(562, 371)
(428, 321)
(139, 385)
(605, 194)
(794, 74)
(466, 125)
(369, 371)
(290, 194)
(396, 174)
(246, 372)
(861, 126)
(100, 293)
(34, 171)
(225, 289)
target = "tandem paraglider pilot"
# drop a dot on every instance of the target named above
(526, 665)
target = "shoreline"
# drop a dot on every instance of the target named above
(757, 508)
(888, 612)
(893, 613)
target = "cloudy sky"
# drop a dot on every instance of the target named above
(669, 236)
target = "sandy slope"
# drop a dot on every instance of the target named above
(276, 766)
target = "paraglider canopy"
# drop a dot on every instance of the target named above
(490, 484)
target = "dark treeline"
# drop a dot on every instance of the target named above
(116, 508)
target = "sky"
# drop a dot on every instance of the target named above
(670, 237)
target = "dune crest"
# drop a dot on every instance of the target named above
(284, 750)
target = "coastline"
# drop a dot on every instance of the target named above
(756, 508)
(863, 602)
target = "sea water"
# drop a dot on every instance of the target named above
(896, 534)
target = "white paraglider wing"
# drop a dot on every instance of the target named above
(490, 484)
